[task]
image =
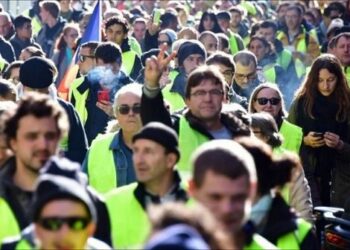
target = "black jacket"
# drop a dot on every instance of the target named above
(18, 45)
(6, 50)
(77, 141)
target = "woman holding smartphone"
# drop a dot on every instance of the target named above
(321, 107)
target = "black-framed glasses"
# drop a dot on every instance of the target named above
(75, 223)
(272, 101)
(82, 58)
(212, 92)
(125, 109)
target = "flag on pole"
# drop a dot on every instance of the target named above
(92, 33)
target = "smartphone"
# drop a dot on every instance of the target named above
(156, 16)
(318, 134)
(103, 95)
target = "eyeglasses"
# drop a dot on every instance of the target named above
(82, 58)
(55, 223)
(228, 73)
(250, 76)
(272, 101)
(125, 109)
(212, 92)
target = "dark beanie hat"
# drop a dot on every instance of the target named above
(188, 48)
(37, 73)
(159, 133)
(51, 187)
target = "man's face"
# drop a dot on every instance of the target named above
(25, 31)
(36, 140)
(192, 62)
(272, 106)
(44, 15)
(342, 51)
(227, 72)
(224, 24)
(281, 13)
(86, 60)
(139, 30)
(245, 74)
(115, 34)
(293, 19)
(210, 43)
(205, 101)
(268, 33)
(236, 18)
(151, 162)
(258, 49)
(226, 198)
(5, 26)
(63, 237)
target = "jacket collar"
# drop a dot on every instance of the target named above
(178, 191)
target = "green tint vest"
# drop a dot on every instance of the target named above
(293, 239)
(270, 73)
(189, 141)
(135, 46)
(101, 166)
(284, 58)
(233, 44)
(347, 74)
(174, 99)
(258, 243)
(8, 223)
(128, 60)
(292, 136)
(80, 99)
(129, 222)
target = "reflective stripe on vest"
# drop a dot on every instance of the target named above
(128, 60)
(174, 99)
(284, 58)
(258, 243)
(80, 99)
(293, 240)
(270, 73)
(189, 140)
(129, 222)
(292, 135)
(101, 166)
(7, 218)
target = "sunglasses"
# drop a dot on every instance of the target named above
(272, 101)
(124, 109)
(55, 223)
(82, 58)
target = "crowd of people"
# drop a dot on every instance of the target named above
(194, 124)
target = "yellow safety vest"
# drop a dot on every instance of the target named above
(284, 58)
(189, 140)
(80, 99)
(347, 74)
(270, 73)
(233, 43)
(8, 223)
(292, 240)
(292, 135)
(174, 99)
(129, 222)
(258, 242)
(135, 46)
(101, 166)
(128, 61)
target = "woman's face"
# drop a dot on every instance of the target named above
(326, 82)
(258, 49)
(268, 100)
(208, 23)
(71, 37)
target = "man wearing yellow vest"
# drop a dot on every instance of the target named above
(202, 121)
(225, 181)
(116, 30)
(191, 54)
(341, 50)
(155, 154)
(33, 131)
(294, 37)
